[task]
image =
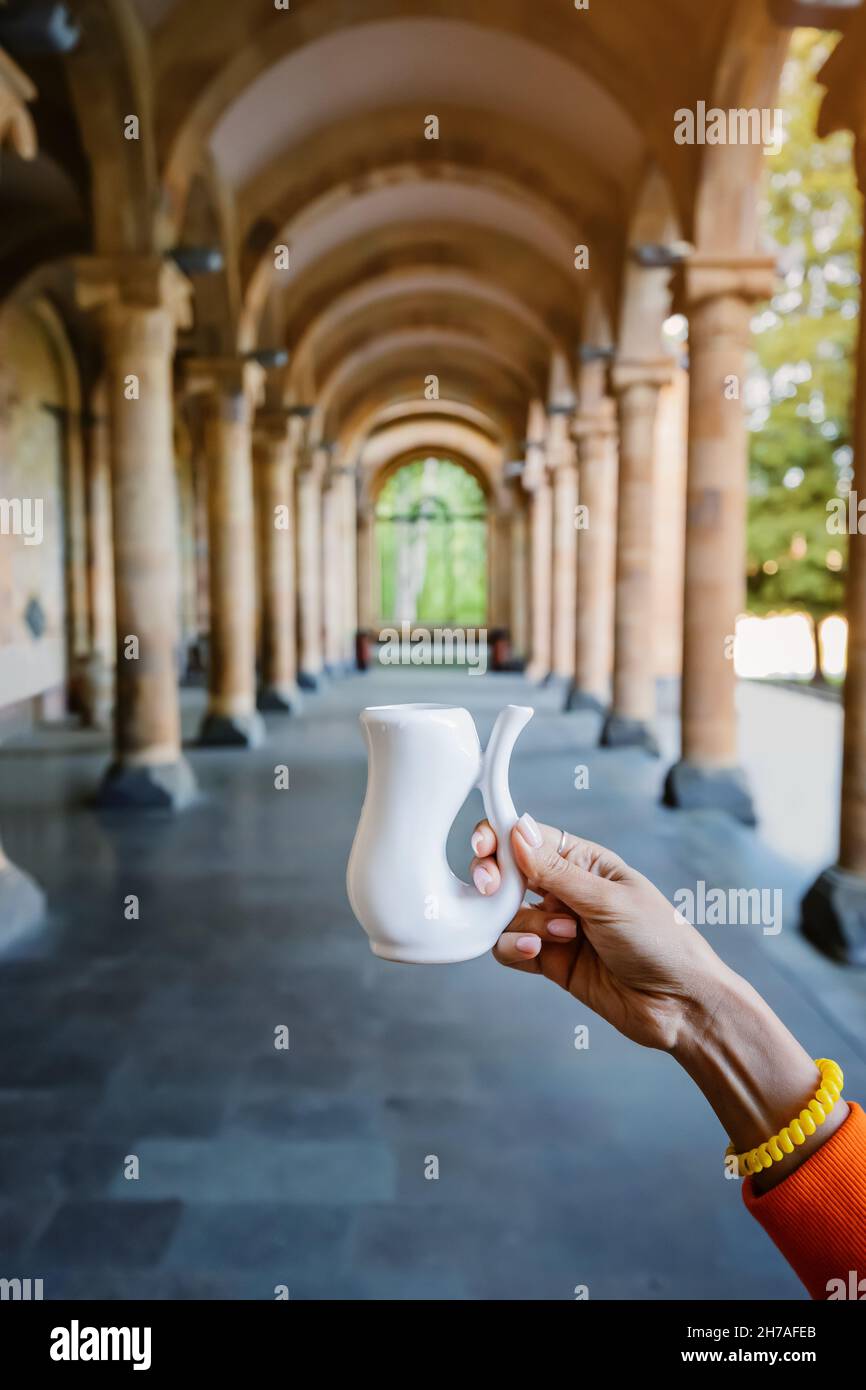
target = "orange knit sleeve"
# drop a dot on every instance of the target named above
(817, 1215)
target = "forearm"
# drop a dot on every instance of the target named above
(751, 1069)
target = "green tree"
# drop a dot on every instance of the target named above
(800, 397)
(436, 510)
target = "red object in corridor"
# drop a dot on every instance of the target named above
(362, 650)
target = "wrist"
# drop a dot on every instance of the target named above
(753, 1072)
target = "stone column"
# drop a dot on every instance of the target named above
(562, 463)
(632, 714)
(200, 522)
(367, 607)
(142, 299)
(311, 470)
(499, 566)
(275, 488)
(350, 566)
(72, 425)
(229, 389)
(187, 549)
(834, 908)
(22, 902)
(541, 542)
(519, 577)
(718, 299)
(596, 436)
(99, 684)
(332, 573)
(536, 481)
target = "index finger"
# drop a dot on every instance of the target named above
(483, 840)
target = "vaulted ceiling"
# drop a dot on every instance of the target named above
(309, 128)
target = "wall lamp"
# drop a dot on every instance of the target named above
(592, 352)
(268, 357)
(198, 260)
(32, 28)
(653, 255)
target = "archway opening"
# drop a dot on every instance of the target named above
(431, 545)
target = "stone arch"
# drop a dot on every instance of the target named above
(725, 216)
(588, 48)
(500, 259)
(110, 79)
(416, 289)
(392, 446)
(44, 628)
(209, 222)
(476, 210)
(646, 289)
(342, 156)
(494, 335)
(374, 416)
(429, 349)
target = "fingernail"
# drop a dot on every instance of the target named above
(482, 878)
(528, 944)
(529, 831)
(562, 926)
(477, 841)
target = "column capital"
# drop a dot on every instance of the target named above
(654, 372)
(844, 104)
(336, 473)
(595, 422)
(313, 462)
(749, 278)
(110, 283)
(534, 473)
(16, 124)
(272, 424)
(224, 378)
(560, 454)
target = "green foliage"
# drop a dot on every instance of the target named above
(451, 503)
(802, 394)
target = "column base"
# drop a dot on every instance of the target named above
(619, 732)
(833, 916)
(311, 680)
(232, 730)
(536, 673)
(97, 693)
(166, 786)
(279, 699)
(689, 787)
(577, 699)
(22, 905)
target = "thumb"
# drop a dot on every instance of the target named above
(536, 849)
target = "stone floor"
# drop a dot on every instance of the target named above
(305, 1168)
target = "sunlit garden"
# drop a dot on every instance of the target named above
(799, 397)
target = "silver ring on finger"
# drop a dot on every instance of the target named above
(562, 838)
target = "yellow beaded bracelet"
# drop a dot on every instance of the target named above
(795, 1133)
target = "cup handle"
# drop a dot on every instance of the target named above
(495, 793)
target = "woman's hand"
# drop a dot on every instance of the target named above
(607, 935)
(603, 932)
